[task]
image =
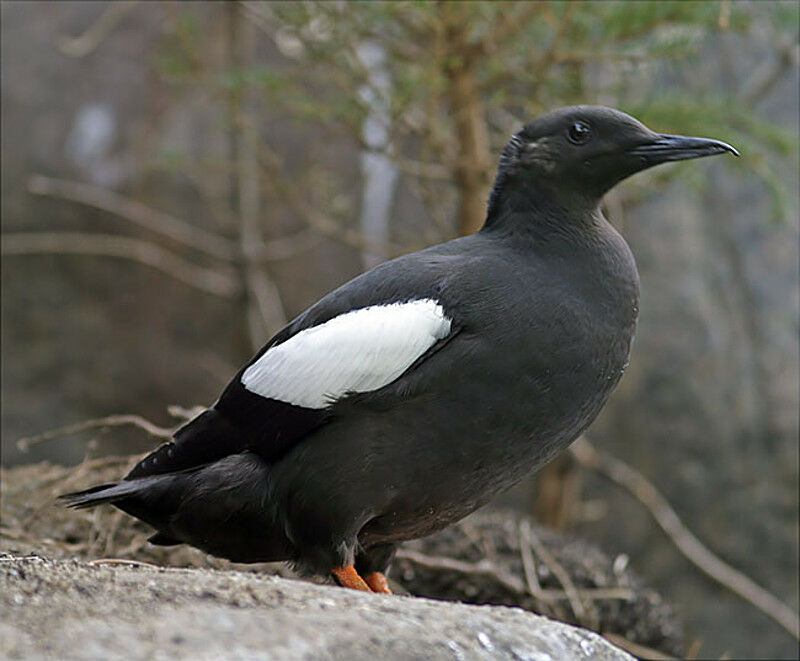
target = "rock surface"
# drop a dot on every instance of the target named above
(69, 609)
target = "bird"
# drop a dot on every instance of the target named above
(410, 396)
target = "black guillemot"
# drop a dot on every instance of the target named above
(411, 395)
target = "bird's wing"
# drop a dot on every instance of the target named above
(287, 390)
(357, 339)
(358, 351)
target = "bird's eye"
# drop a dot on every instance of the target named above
(579, 133)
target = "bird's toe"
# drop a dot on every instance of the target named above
(348, 577)
(377, 582)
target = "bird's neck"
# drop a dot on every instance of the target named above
(543, 214)
(573, 233)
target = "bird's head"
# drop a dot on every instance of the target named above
(581, 152)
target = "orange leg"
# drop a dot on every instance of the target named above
(348, 577)
(377, 582)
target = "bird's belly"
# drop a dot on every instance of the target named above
(447, 467)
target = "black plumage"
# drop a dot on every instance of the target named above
(482, 358)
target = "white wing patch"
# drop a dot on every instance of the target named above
(358, 351)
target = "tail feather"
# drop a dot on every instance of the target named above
(105, 493)
(222, 508)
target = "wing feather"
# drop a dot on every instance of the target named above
(358, 351)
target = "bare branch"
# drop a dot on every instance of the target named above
(212, 281)
(97, 423)
(507, 580)
(265, 311)
(701, 557)
(484, 567)
(558, 571)
(137, 213)
(637, 649)
(97, 31)
(122, 561)
(182, 413)
(528, 562)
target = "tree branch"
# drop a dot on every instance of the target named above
(264, 308)
(637, 649)
(96, 33)
(109, 245)
(504, 578)
(691, 547)
(121, 420)
(137, 213)
(558, 571)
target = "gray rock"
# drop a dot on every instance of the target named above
(68, 609)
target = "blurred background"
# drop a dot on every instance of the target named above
(180, 179)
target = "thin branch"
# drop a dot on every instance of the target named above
(265, 312)
(96, 33)
(528, 561)
(122, 561)
(109, 245)
(637, 649)
(701, 557)
(559, 572)
(482, 568)
(182, 413)
(97, 423)
(504, 578)
(137, 213)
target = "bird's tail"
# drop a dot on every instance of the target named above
(107, 493)
(155, 488)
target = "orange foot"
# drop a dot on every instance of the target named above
(377, 582)
(348, 577)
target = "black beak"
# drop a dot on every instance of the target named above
(678, 148)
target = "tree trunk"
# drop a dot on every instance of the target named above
(471, 171)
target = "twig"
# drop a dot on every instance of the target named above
(637, 649)
(213, 281)
(484, 567)
(701, 557)
(507, 580)
(98, 423)
(182, 413)
(559, 572)
(121, 561)
(97, 31)
(137, 213)
(528, 562)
